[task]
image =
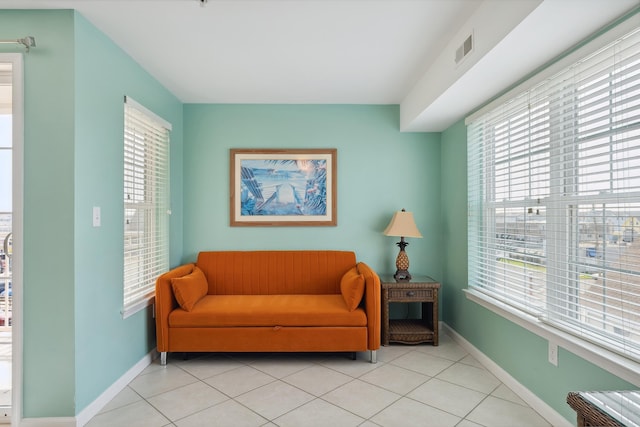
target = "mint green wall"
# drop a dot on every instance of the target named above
(380, 170)
(103, 75)
(519, 352)
(76, 343)
(48, 359)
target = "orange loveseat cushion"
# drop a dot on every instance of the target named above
(275, 272)
(352, 288)
(189, 289)
(268, 310)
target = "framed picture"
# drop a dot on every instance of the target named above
(283, 187)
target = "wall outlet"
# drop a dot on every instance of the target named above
(553, 353)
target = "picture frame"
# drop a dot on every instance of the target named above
(274, 187)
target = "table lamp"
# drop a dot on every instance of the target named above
(402, 225)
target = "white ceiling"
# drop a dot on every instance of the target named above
(342, 51)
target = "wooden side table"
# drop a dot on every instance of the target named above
(410, 331)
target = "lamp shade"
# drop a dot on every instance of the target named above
(402, 225)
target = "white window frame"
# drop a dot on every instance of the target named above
(146, 204)
(612, 361)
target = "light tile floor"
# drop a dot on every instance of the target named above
(409, 386)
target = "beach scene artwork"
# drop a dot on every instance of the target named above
(283, 187)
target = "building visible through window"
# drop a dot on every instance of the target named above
(554, 199)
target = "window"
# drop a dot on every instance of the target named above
(554, 199)
(146, 203)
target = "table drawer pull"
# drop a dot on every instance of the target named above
(411, 293)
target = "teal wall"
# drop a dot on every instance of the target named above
(519, 352)
(103, 339)
(380, 170)
(48, 354)
(76, 343)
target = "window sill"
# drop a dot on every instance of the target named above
(612, 362)
(130, 311)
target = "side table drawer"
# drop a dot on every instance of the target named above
(409, 294)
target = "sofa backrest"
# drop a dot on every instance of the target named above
(275, 272)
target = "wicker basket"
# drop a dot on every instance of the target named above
(409, 331)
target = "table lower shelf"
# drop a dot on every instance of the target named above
(410, 331)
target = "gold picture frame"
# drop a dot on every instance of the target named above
(283, 187)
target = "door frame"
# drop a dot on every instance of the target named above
(17, 60)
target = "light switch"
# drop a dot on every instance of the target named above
(96, 216)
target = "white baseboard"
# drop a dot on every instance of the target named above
(96, 406)
(537, 404)
(48, 422)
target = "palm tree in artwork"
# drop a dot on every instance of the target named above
(316, 191)
(251, 191)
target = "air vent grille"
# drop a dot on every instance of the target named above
(465, 49)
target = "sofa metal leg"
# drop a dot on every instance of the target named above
(374, 356)
(163, 358)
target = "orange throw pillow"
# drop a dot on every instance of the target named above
(352, 288)
(190, 289)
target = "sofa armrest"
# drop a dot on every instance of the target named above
(372, 304)
(166, 303)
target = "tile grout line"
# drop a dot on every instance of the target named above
(334, 365)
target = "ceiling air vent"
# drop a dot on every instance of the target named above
(465, 49)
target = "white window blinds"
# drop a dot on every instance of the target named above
(146, 203)
(554, 199)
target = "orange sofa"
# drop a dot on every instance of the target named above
(269, 301)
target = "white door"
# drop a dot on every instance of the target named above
(11, 134)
